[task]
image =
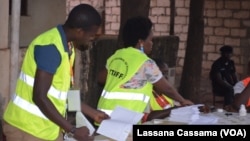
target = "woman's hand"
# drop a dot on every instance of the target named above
(186, 102)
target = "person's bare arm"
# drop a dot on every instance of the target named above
(167, 89)
(101, 77)
(242, 98)
(159, 114)
(218, 78)
(42, 84)
(97, 115)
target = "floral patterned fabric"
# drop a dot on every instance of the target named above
(149, 71)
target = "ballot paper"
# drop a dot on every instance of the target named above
(81, 121)
(74, 104)
(187, 114)
(120, 124)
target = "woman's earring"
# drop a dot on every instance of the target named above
(142, 49)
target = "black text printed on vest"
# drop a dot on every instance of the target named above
(116, 73)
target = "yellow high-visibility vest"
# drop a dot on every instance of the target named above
(21, 111)
(122, 66)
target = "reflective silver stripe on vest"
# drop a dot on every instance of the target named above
(126, 96)
(29, 107)
(52, 90)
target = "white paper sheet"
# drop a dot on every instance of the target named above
(120, 124)
(74, 102)
(81, 120)
(186, 114)
(205, 120)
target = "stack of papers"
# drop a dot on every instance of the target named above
(191, 115)
(186, 114)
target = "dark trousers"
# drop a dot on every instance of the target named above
(227, 92)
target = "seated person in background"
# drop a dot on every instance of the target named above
(223, 75)
(128, 80)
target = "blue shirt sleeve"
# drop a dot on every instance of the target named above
(47, 58)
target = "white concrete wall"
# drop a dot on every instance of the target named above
(4, 53)
(42, 15)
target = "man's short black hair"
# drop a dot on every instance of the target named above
(83, 16)
(226, 49)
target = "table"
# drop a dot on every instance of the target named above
(229, 118)
(224, 118)
(103, 138)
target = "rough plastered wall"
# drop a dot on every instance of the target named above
(226, 22)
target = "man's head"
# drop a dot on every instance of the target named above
(84, 21)
(226, 51)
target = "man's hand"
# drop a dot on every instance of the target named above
(82, 134)
(97, 115)
(100, 116)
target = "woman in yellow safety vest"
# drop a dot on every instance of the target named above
(130, 74)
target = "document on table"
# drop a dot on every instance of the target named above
(185, 114)
(191, 115)
(120, 124)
